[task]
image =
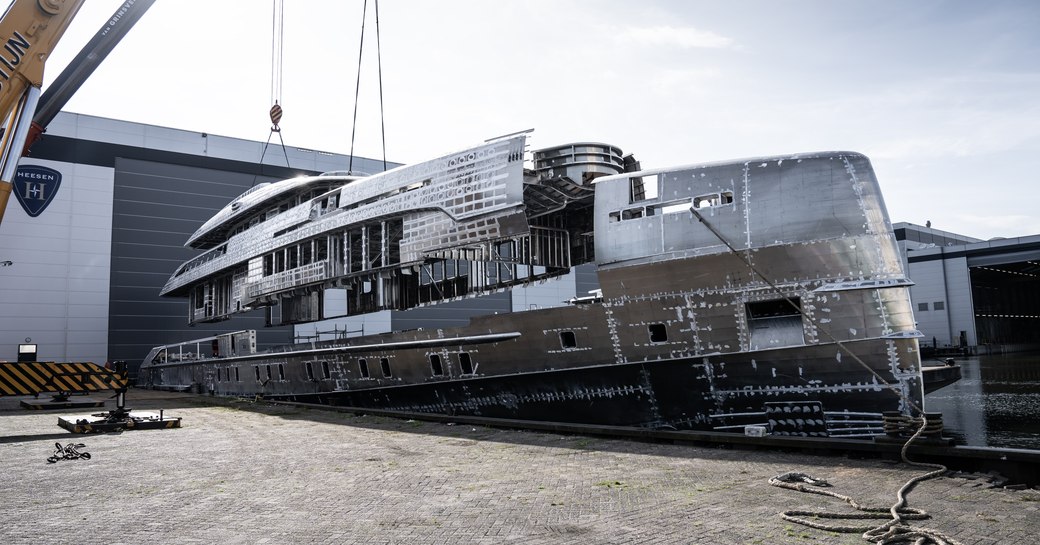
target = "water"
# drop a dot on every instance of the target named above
(996, 403)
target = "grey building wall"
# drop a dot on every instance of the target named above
(55, 292)
(961, 312)
(941, 296)
(928, 295)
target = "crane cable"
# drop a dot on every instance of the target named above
(357, 87)
(277, 42)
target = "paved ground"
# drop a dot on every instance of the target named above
(252, 473)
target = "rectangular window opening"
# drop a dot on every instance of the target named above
(567, 339)
(237, 377)
(435, 365)
(939, 305)
(675, 208)
(362, 365)
(715, 199)
(658, 333)
(385, 364)
(922, 307)
(257, 372)
(775, 323)
(632, 213)
(293, 253)
(310, 371)
(465, 363)
(325, 371)
(281, 371)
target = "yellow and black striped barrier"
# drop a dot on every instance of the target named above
(30, 378)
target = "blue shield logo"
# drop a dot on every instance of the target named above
(35, 187)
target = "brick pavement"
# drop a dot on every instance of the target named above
(253, 473)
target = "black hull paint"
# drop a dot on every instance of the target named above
(689, 393)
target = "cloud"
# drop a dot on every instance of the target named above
(991, 225)
(680, 37)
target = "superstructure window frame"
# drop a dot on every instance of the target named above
(712, 200)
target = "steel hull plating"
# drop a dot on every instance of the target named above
(707, 393)
(718, 392)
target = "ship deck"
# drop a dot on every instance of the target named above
(241, 472)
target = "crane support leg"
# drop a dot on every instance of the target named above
(118, 419)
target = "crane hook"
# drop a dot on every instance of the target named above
(276, 116)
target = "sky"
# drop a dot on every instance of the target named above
(943, 96)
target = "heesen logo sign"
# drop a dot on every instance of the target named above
(35, 187)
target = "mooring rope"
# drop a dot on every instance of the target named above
(893, 532)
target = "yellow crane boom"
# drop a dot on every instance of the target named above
(29, 31)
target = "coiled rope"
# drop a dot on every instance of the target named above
(893, 532)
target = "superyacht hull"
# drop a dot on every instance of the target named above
(764, 292)
(829, 395)
(702, 393)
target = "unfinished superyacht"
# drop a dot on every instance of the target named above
(766, 292)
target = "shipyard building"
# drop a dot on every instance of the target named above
(103, 208)
(975, 296)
